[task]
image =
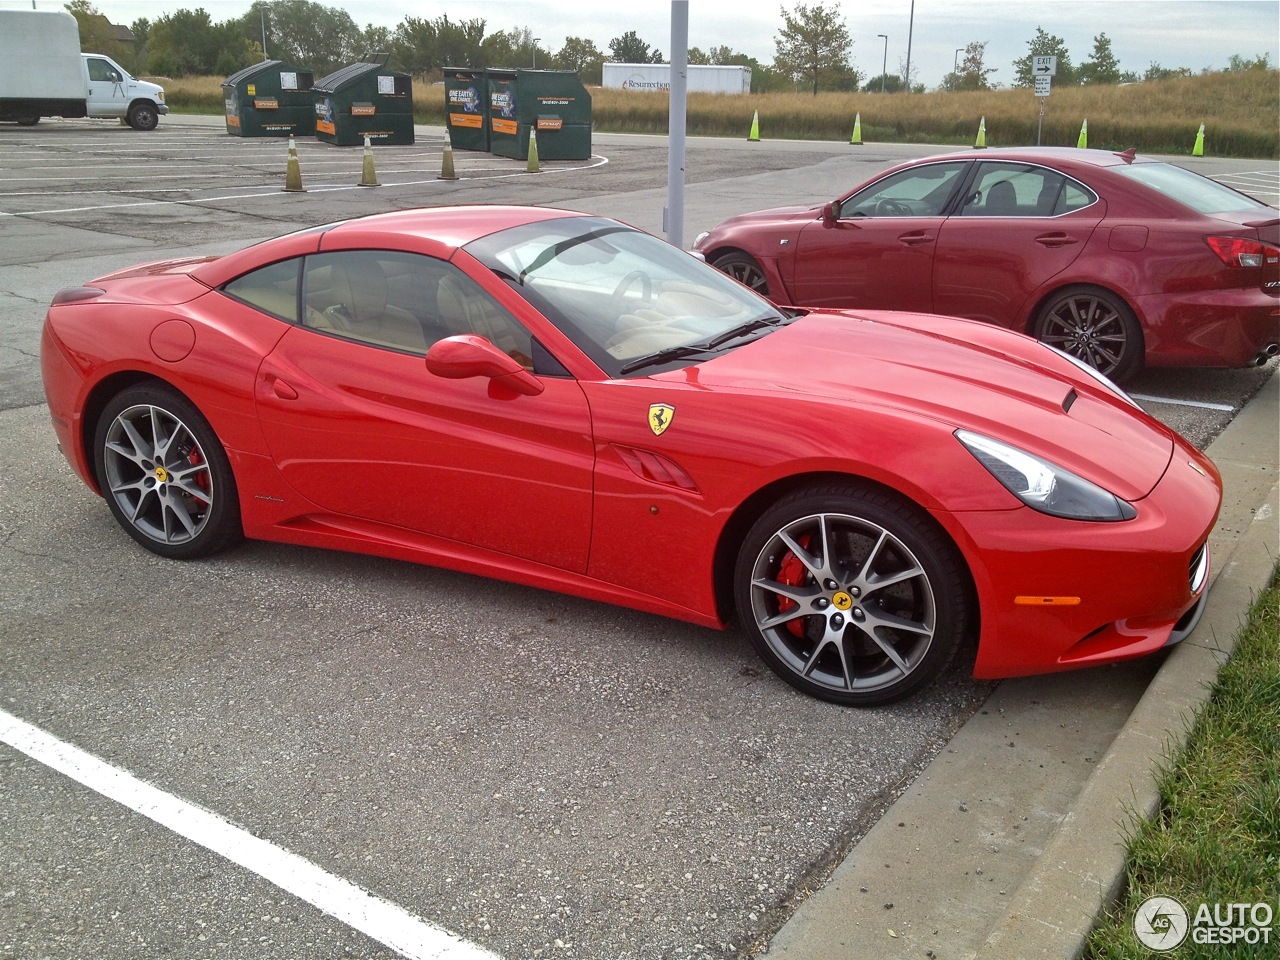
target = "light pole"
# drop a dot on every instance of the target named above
(885, 67)
(911, 29)
(535, 52)
(955, 67)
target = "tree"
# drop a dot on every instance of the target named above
(889, 82)
(629, 48)
(304, 32)
(421, 46)
(96, 33)
(697, 56)
(1238, 63)
(1157, 72)
(581, 55)
(1102, 66)
(1045, 45)
(973, 72)
(814, 46)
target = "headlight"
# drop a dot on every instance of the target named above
(1044, 486)
(1093, 372)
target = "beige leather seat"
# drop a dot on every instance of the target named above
(360, 310)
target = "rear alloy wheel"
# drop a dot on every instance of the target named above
(143, 116)
(28, 121)
(850, 594)
(745, 270)
(1095, 326)
(164, 474)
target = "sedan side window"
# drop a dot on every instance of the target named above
(919, 192)
(404, 301)
(1022, 190)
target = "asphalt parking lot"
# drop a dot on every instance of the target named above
(538, 775)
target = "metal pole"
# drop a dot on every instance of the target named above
(262, 17)
(911, 26)
(673, 215)
(535, 52)
(884, 67)
(955, 66)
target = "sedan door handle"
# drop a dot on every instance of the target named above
(915, 239)
(1055, 240)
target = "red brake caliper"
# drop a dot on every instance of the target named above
(792, 572)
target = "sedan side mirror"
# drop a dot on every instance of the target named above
(831, 213)
(467, 355)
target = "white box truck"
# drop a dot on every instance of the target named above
(44, 74)
(701, 78)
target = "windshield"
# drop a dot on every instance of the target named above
(1199, 193)
(630, 301)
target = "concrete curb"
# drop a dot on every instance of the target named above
(1082, 870)
(1014, 839)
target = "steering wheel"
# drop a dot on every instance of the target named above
(620, 292)
(887, 207)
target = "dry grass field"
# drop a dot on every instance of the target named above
(1240, 112)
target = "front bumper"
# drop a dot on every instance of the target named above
(1059, 594)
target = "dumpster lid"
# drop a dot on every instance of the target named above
(252, 71)
(349, 74)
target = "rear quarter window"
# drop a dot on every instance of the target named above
(1190, 189)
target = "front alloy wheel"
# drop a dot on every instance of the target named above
(851, 595)
(164, 474)
(745, 270)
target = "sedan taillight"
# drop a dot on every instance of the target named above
(1243, 252)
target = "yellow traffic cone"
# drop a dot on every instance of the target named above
(981, 142)
(446, 165)
(856, 139)
(1083, 140)
(533, 166)
(367, 177)
(292, 173)
(1198, 149)
(754, 136)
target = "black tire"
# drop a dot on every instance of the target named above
(745, 270)
(872, 617)
(164, 474)
(28, 121)
(143, 116)
(1095, 326)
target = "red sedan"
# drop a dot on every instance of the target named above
(1115, 258)
(563, 401)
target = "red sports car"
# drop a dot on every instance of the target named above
(564, 401)
(1115, 258)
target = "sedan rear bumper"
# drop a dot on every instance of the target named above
(1225, 328)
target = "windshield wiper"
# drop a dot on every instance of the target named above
(669, 353)
(742, 329)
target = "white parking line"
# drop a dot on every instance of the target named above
(1202, 404)
(385, 922)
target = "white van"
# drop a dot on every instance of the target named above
(44, 74)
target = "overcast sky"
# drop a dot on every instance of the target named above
(1173, 33)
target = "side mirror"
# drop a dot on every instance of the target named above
(467, 355)
(831, 213)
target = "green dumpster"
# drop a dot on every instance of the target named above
(269, 99)
(466, 103)
(554, 102)
(364, 100)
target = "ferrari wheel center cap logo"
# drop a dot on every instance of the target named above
(842, 601)
(162, 474)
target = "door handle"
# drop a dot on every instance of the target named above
(915, 239)
(1055, 240)
(283, 390)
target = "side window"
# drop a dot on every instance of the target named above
(101, 70)
(404, 301)
(272, 289)
(1013, 190)
(918, 192)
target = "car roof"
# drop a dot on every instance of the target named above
(435, 230)
(1046, 155)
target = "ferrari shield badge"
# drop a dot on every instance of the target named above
(660, 417)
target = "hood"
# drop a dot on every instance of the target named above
(963, 374)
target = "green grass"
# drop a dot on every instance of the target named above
(1216, 838)
(1238, 109)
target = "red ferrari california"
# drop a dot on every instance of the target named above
(1117, 259)
(563, 401)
